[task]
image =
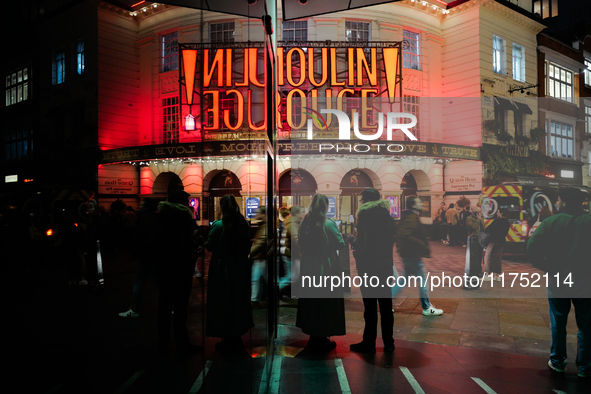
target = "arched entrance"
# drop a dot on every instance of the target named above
(297, 187)
(353, 183)
(166, 182)
(408, 187)
(222, 183)
(417, 183)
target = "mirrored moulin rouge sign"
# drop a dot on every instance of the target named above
(224, 86)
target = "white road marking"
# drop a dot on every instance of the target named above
(558, 391)
(199, 381)
(129, 382)
(275, 375)
(484, 386)
(411, 379)
(342, 375)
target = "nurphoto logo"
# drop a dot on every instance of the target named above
(393, 120)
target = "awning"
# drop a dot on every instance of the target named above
(504, 104)
(523, 108)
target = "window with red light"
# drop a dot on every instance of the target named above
(170, 120)
(412, 105)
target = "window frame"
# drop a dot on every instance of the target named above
(588, 120)
(80, 56)
(552, 82)
(171, 119)
(518, 68)
(169, 52)
(351, 26)
(412, 105)
(222, 32)
(18, 145)
(294, 29)
(18, 89)
(499, 56)
(406, 36)
(58, 66)
(554, 137)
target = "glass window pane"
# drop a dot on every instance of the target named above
(569, 131)
(568, 78)
(570, 150)
(20, 76)
(20, 93)
(14, 79)
(25, 74)
(7, 80)
(564, 148)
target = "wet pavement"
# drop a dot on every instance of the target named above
(69, 339)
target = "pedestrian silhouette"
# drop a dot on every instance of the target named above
(229, 315)
(373, 248)
(324, 315)
(176, 266)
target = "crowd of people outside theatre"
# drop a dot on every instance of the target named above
(162, 237)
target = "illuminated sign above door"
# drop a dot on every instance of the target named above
(222, 87)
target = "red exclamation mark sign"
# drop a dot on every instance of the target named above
(189, 64)
(391, 67)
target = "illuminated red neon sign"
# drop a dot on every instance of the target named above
(233, 73)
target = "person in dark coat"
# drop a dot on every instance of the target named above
(498, 231)
(373, 248)
(176, 265)
(322, 314)
(228, 312)
(147, 237)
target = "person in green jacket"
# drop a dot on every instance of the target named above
(412, 245)
(561, 247)
(321, 310)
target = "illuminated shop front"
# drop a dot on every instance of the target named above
(220, 148)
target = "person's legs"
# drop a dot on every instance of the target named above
(487, 259)
(583, 316)
(183, 287)
(559, 309)
(370, 315)
(258, 267)
(414, 267)
(138, 286)
(286, 278)
(387, 320)
(165, 305)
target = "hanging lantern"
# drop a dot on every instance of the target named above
(189, 123)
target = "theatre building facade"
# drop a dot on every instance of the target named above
(182, 95)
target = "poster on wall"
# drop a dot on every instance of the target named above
(394, 206)
(252, 204)
(332, 208)
(426, 201)
(194, 203)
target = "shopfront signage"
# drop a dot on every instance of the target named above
(224, 82)
(462, 183)
(289, 148)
